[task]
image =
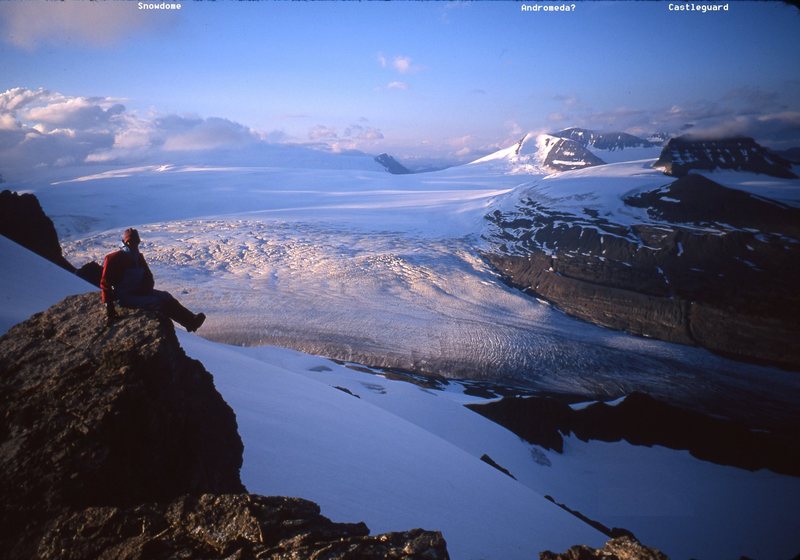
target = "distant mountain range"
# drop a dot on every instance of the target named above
(604, 140)
(656, 250)
(579, 148)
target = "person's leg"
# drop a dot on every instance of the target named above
(164, 302)
(173, 309)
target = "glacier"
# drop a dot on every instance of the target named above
(367, 446)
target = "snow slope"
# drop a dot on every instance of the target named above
(29, 284)
(535, 154)
(398, 455)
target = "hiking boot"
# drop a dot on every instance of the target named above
(196, 322)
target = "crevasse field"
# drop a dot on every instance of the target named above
(361, 265)
(356, 264)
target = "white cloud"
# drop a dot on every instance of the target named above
(76, 112)
(401, 86)
(363, 133)
(402, 64)
(204, 134)
(354, 137)
(322, 133)
(31, 23)
(461, 141)
(514, 128)
(15, 98)
(8, 122)
(41, 128)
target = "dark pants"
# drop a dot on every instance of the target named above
(163, 302)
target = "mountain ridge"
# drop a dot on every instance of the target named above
(603, 140)
(688, 153)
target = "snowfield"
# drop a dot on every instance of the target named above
(397, 455)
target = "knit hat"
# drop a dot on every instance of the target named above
(130, 235)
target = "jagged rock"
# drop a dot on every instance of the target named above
(115, 444)
(622, 548)
(225, 526)
(22, 220)
(642, 420)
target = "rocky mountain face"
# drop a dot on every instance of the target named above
(603, 140)
(685, 153)
(115, 444)
(717, 268)
(564, 154)
(22, 220)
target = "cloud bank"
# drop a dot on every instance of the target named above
(42, 129)
(748, 111)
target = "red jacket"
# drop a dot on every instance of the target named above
(125, 273)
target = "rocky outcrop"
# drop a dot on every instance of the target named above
(224, 526)
(115, 444)
(564, 154)
(716, 268)
(392, 165)
(622, 548)
(685, 153)
(643, 420)
(22, 220)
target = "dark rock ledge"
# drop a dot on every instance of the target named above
(115, 444)
(642, 420)
(622, 548)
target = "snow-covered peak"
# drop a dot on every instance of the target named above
(541, 154)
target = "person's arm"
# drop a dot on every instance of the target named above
(148, 280)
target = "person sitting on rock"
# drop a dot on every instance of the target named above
(127, 279)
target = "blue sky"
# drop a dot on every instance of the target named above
(440, 79)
